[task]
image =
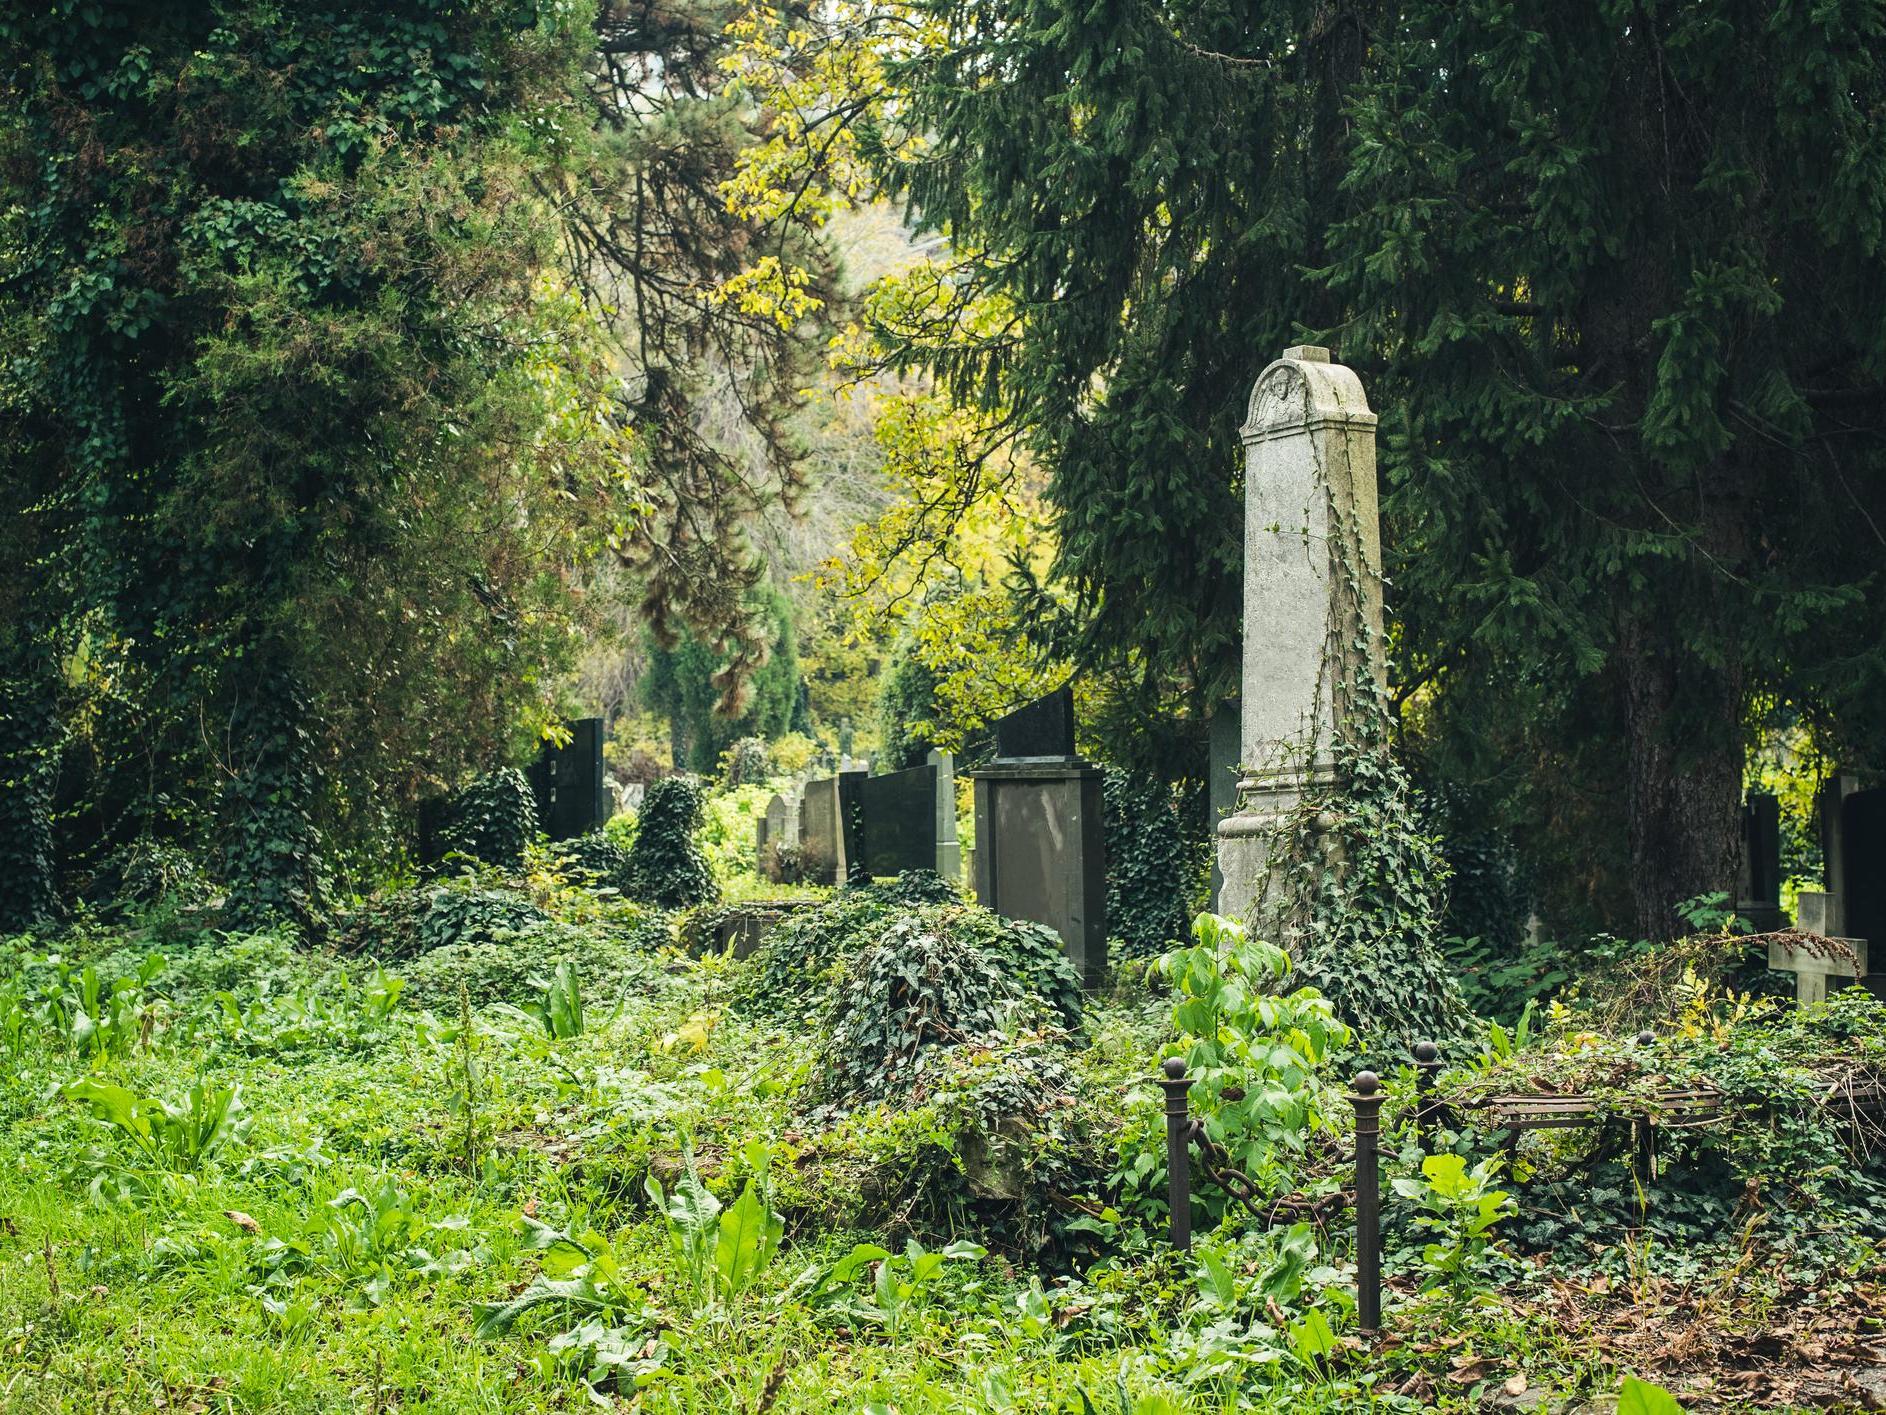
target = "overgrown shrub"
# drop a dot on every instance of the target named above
(415, 922)
(916, 989)
(666, 866)
(1149, 864)
(29, 732)
(795, 968)
(793, 971)
(913, 887)
(746, 763)
(491, 820)
(1791, 1142)
(147, 871)
(596, 859)
(502, 969)
(1029, 953)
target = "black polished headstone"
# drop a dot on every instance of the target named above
(1863, 843)
(899, 821)
(567, 783)
(1041, 731)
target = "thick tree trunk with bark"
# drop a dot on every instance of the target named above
(1683, 722)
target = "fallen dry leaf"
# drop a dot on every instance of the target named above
(1516, 1384)
(242, 1220)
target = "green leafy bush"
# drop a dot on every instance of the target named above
(147, 871)
(512, 969)
(794, 969)
(1255, 1054)
(746, 763)
(916, 989)
(1028, 953)
(803, 958)
(558, 1006)
(596, 859)
(1457, 1209)
(491, 820)
(415, 922)
(725, 833)
(178, 1137)
(666, 866)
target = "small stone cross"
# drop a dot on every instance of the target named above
(1817, 916)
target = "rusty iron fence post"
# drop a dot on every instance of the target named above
(1177, 1086)
(1643, 1130)
(1427, 1074)
(1368, 1107)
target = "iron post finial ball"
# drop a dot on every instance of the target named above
(1646, 1037)
(1367, 1083)
(1175, 1067)
(1426, 1052)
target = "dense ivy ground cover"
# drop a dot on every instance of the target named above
(573, 1167)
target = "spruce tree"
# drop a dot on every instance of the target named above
(1612, 272)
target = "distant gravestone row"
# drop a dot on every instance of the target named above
(852, 825)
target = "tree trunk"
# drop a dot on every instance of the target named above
(1683, 724)
(29, 736)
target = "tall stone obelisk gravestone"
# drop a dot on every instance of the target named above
(1312, 600)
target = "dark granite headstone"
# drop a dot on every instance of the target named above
(899, 821)
(850, 790)
(568, 783)
(1863, 868)
(1758, 891)
(433, 814)
(1041, 853)
(1041, 731)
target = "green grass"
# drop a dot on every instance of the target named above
(252, 1282)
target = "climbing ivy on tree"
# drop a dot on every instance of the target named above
(308, 437)
(1150, 865)
(492, 819)
(28, 734)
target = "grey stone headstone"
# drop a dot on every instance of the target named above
(818, 831)
(949, 851)
(1041, 853)
(1312, 558)
(779, 821)
(1041, 731)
